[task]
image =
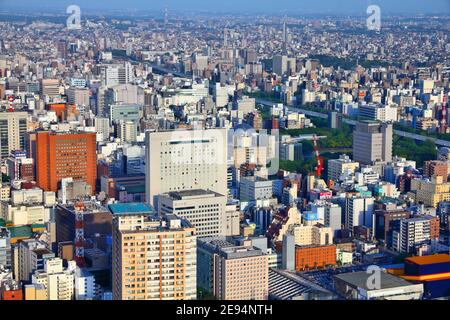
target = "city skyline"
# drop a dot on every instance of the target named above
(297, 7)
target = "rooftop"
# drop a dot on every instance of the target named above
(192, 194)
(130, 208)
(360, 280)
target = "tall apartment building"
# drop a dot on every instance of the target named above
(255, 188)
(13, 127)
(30, 256)
(359, 211)
(153, 258)
(410, 233)
(333, 218)
(97, 220)
(232, 272)
(336, 167)
(384, 218)
(372, 142)
(60, 155)
(205, 210)
(59, 281)
(103, 129)
(186, 160)
(283, 64)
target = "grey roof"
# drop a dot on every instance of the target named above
(360, 280)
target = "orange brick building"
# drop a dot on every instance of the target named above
(310, 257)
(11, 294)
(64, 155)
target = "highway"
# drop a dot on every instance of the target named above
(437, 142)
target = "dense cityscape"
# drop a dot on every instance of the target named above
(214, 156)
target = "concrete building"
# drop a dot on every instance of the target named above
(186, 160)
(59, 281)
(61, 155)
(409, 234)
(359, 211)
(337, 167)
(372, 142)
(152, 258)
(31, 255)
(378, 113)
(103, 129)
(360, 286)
(205, 210)
(307, 235)
(232, 272)
(333, 218)
(255, 188)
(430, 192)
(13, 127)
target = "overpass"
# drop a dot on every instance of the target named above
(404, 134)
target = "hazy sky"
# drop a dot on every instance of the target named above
(246, 6)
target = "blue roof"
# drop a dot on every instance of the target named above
(130, 208)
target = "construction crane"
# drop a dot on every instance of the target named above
(319, 167)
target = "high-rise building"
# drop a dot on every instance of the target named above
(31, 254)
(13, 127)
(205, 210)
(410, 233)
(359, 211)
(372, 142)
(59, 281)
(62, 49)
(333, 218)
(102, 127)
(232, 272)
(283, 64)
(153, 258)
(60, 155)
(186, 160)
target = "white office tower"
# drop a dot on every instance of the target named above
(186, 160)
